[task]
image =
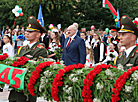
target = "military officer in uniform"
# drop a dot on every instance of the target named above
(128, 35)
(114, 31)
(33, 51)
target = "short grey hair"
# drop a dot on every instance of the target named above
(76, 24)
(73, 26)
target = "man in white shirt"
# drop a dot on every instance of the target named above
(128, 35)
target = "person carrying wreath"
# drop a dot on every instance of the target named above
(33, 51)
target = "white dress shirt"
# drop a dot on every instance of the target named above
(8, 48)
(128, 51)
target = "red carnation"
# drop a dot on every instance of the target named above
(59, 45)
(111, 50)
(48, 48)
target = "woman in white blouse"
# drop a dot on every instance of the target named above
(53, 43)
(8, 48)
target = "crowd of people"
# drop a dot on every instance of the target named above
(117, 46)
(101, 46)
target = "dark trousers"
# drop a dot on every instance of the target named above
(15, 96)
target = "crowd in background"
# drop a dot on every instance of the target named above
(101, 46)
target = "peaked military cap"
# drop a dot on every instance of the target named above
(113, 28)
(33, 25)
(127, 25)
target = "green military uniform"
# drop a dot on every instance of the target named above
(34, 53)
(132, 60)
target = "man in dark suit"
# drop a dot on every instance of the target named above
(77, 26)
(74, 50)
(44, 39)
(63, 37)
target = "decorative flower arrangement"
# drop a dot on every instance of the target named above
(3, 57)
(128, 81)
(58, 80)
(35, 75)
(58, 52)
(73, 83)
(20, 62)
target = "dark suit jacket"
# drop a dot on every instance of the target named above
(76, 52)
(62, 40)
(78, 33)
(45, 40)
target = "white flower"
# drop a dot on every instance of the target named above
(120, 67)
(87, 67)
(48, 74)
(127, 101)
(25, 69)
(75, 79)
(96, 100)
(128, 88)
(55, 66)
(108, 72)
(99, 86)
(62, 62)
(70, 77)
(79, 72)
(66, 86)
(135, 76)
(70, 98)
(69, 90)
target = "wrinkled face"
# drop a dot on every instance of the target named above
(53, 35)
(71, 31)
(5, 39)
(126, 39)
(82, 35)
(32, 35)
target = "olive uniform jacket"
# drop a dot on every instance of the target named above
(131, 60)
(35, 52)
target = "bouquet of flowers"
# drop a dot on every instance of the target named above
(58, 52)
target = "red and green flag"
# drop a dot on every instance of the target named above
(107, 4)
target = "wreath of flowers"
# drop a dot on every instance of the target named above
(58, 79)
(3, 57)
(120, 82)
(21, 61)
(86, 91)
(35, 75)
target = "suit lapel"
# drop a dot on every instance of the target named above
(72, 41)
(66, 42)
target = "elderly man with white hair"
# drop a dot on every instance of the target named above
(74, 50)
(77, 26)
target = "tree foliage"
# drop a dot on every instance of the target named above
(85, 12)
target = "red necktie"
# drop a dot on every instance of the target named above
(68, 43)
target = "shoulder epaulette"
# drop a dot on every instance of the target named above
(39, 46)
